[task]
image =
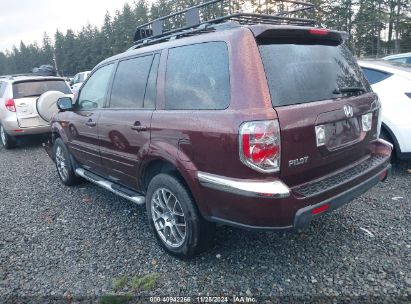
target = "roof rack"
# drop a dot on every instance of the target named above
(202, 18)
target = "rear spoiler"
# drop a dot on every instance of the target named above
(297, 34)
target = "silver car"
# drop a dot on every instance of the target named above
(18, 105)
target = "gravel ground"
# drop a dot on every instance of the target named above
(73, 244)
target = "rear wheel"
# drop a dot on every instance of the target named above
(174, 218)
(7, 141)
(64, 164)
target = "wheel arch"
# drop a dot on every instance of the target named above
(157, 165)
(390, 133)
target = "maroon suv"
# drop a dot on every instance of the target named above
(256, 126)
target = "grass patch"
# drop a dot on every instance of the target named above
(120, 282)
(146, 282)
(116, 299)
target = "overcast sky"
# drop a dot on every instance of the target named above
(27, 20)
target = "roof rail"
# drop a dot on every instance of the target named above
(201, 18)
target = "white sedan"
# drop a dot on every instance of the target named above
(392, 82)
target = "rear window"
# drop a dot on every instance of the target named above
(198, 77)
(36, 88)
(299, 73)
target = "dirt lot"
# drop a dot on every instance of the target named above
(83, 244)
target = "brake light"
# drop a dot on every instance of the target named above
(318, 31)
(10, 105)
(260, 146)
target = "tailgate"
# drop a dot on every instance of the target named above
(322, 100)
(26, 93)
(26, 112)
(345, 141)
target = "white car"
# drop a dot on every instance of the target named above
(401, 58)
(19, 115)
(392, 82)
(78, 80)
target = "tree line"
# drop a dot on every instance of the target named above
(375, 28)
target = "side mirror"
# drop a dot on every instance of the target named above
(65, 104)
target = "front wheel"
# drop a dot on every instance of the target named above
(174, 218)
(7, 141)
(64, 165)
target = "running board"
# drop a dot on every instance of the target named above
(135, 197)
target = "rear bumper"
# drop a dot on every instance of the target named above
(305, 215)
(12, 128)
(276, 210)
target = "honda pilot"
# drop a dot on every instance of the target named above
(262, 127)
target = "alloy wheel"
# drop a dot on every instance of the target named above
(3, 136)
(168, 217)
(61, 163)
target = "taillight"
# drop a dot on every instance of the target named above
(260, 145)
(318, 31)
(10, 105)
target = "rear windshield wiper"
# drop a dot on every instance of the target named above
(348, 90)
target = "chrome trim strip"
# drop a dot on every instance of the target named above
(139, 200)
(274, 189)
(386, 142)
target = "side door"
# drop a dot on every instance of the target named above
(124, 127)
(82, 122)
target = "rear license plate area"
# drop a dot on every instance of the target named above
(342, 133)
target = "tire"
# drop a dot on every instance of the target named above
(64, 165)
(6, 140)
(188, 240)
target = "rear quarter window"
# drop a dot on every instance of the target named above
(36, 88)
(197, 77)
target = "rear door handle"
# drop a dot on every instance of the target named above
(139, 128)
(91, 123)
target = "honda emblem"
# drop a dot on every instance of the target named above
(348, 111)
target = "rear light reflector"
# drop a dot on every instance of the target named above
(320, 209)
(260, 146)
(366, 120)
(383, 176)
(18, 131)
(320, 135)
(318, 31)
(10, 105)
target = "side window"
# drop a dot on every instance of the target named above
(93, 94)
(75, 79)
(408, 60)
(374, 76)
(400, 60)
(197, 77)
(151, 91)
(3, 86)
(130, 83)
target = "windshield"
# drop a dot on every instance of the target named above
(298, 73)
(36, 88)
